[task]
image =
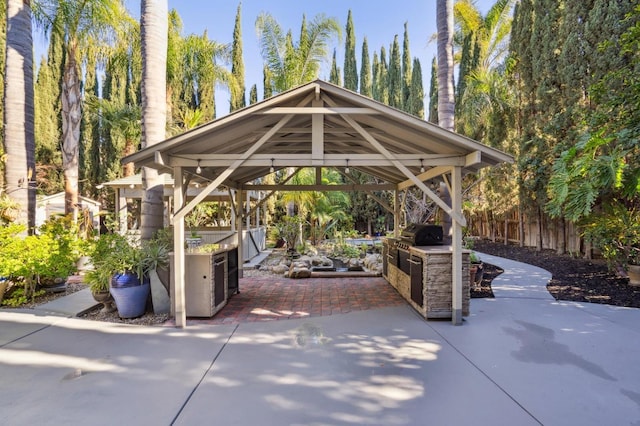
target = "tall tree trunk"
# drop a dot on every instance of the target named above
(540, 230)
(521, 225)
(71, 118)
(446, 100)
(19, 139)
(154, 32)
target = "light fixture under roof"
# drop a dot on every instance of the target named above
(198, 169)
(271, 169)
(421, 166)
(346, 169)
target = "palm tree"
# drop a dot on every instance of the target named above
(201, 71)
(122, 121)
(446, 102)
(490, 32)
(292, 64)
(154, 19)
(19, 139)
(324, 209)
(87, 26)
(483, 92)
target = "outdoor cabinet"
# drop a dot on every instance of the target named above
(205, 283)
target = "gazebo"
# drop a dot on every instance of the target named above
(319, 125)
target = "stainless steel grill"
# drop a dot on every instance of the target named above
(420, 235)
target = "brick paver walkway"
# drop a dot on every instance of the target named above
(276, 298)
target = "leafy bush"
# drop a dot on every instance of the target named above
(29, 261)
(616, 233)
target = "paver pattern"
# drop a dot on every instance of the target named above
(267, 298)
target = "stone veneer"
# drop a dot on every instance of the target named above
(436, 282)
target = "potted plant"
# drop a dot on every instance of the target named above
(476, 269)
(196, 217)
(126, 265)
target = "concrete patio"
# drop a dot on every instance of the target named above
(521, 358)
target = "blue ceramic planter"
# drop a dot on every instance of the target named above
(128, 279)
(131, 300)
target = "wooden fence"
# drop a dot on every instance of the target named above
(530, 231)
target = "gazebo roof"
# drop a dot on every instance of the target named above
(318, 124)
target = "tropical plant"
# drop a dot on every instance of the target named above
(616, 233)
(290, 64)
(115, 253)
(287, 229)
(88, 28)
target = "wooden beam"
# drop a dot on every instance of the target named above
(429, 174)
(473, 158)
(286, 159)
(217, 181)
(319, 110)
(379, 200)
(317, 136)
(344, 188)
(457, 217)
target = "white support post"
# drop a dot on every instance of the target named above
(239, 197)
(456, 244)
(121, 208)
(246, 211)
(396, 214)
(179, 307)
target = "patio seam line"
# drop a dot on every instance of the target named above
(481, 371)
(31, 333)
(195, 388)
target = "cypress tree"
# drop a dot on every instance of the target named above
(86, 133)
(267, 86)
(365, 71)
(237, 100)
(415, 103)
(395, 76)
(48, 118)
(383, 77)
(603, 31)
(350, 66)
(406, 70)
(253, 95)
(375, 69)
(433, 92)
(334, 76)
(464, 69)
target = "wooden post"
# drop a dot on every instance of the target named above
(456, 245)
(121, 208)
(179, 307)
(396, 214)
(239, 227)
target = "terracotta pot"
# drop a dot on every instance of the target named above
(634, 275)
(105, 298)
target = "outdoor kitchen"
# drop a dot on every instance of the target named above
(419, 266)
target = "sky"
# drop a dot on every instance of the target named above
(377, 20)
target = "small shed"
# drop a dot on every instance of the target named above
(53, 205)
